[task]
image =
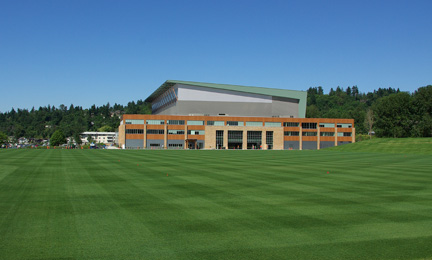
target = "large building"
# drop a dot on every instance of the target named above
(190, 115)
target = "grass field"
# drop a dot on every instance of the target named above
(342, 203)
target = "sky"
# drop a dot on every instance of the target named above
(86, 52)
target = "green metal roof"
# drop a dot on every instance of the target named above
(294, 94)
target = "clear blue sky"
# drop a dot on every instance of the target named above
(86, 52)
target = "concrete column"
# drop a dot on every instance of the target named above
(353, 135)
(225, 138)
(336, 136)
(244, 143)
(300, 137)
(145, 136)
(165, 136)
(318, 137)
(263, 140)
(185, 137)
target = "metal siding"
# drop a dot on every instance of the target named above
(309, 145)
(134, 143)
(155, 141)
(326, 144)
(295, 144)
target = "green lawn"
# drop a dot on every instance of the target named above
(342, 203)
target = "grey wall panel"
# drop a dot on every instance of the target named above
(309, 145)
(230, 108)
(284, 107)
(155, 141)
(295, 145)
(134, 143)
(176, 142)
(326, 144)
(341, 143)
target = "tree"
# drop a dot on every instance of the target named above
(369, 121)
(393, 115)
(3, 138)
(105, 128)
(57, 138)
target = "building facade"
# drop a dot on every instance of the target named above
(225, 132)
(193, 115)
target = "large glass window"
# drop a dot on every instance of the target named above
(174, 146)
(192, 122)
(175, 122)
(327, 133)
(155, 122)
(269, 139)
(309, 125)
(290, 124)
(235, 139)
(273, 124)
(155, 131)
(217, 123)
(219, 139)
(291, 133)
(254, 124)
(134, 122)
(254, 139)
(344, 125)
(235, 123)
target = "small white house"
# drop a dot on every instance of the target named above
(100, 137)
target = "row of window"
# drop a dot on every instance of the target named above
(202, 132)
(235, 123)
(161, 132)
(294, 133)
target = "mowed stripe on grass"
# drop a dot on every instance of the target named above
(102, 204)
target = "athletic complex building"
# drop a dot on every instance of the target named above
(194, 115)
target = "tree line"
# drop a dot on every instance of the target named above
(387, 112)
(41, 123)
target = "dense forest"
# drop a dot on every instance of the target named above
(388, 112)
(41, 123)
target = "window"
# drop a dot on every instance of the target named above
(291, 133)
(217, 123)
(331, 125)
(326, 133)
(309, 134)
(196, 132)
(290, 124)
(175, 122)
(273, 124)
(134, 122)
(269, 138)
(347, 134)
(219, 139)
(175, 145)
(309, 125)
(192, 122)
(344, 125)
(235, 123)
(155, 131)
(254, 124)
(134, 131)
(155, 122)
(235, 136)
(176, 132)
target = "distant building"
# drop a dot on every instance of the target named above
(100, 137)
(190, 115)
